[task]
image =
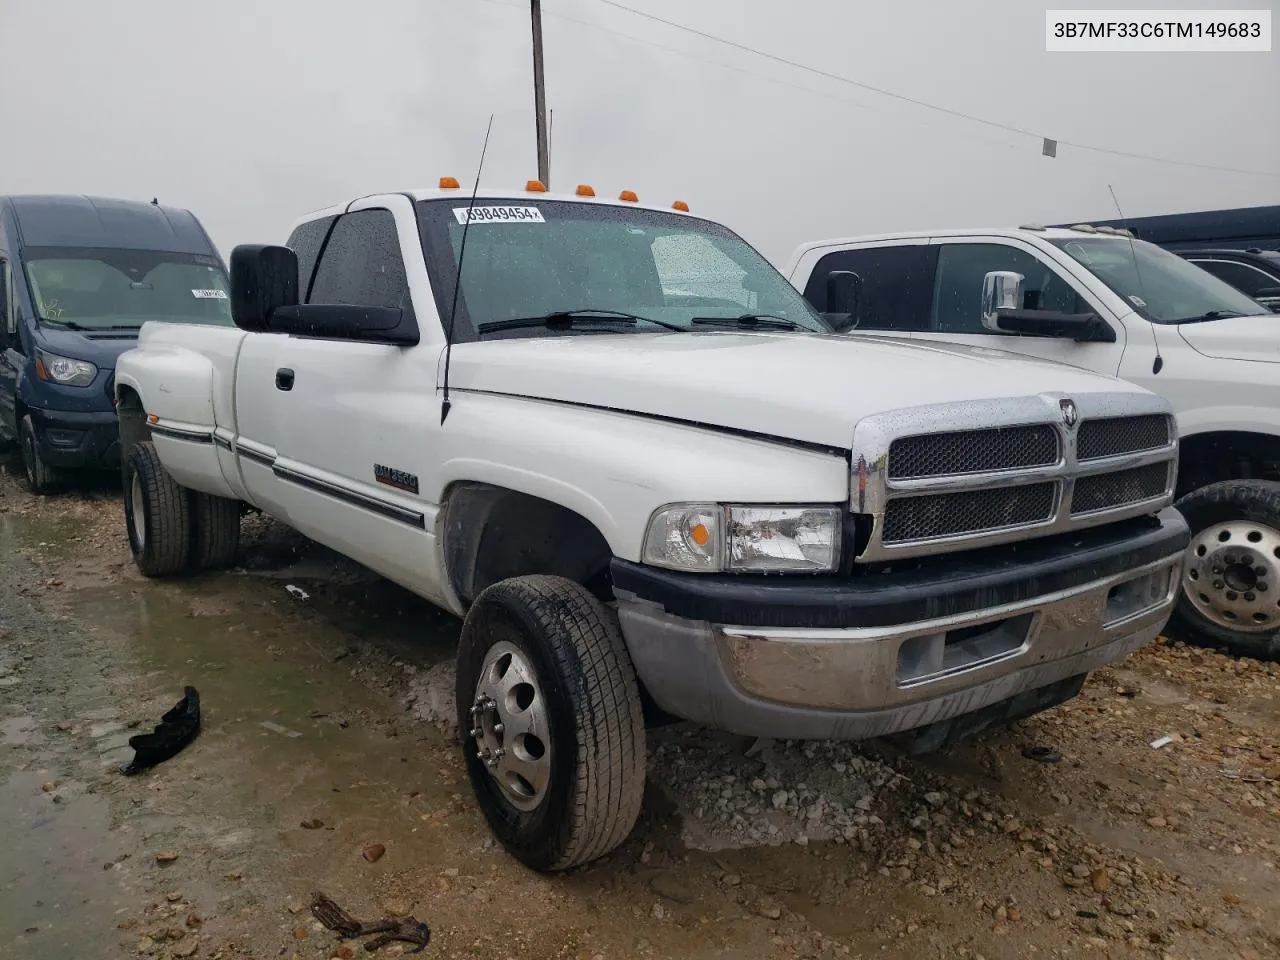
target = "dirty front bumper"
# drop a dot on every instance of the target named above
(880, 653)
(77, 438)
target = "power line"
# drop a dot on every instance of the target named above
(924, 103)
(703, 61)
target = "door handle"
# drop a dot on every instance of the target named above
(284, 379)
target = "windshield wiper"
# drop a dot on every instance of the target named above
(69, 324)
(758, 321)
(1212, 315)
(563, 319)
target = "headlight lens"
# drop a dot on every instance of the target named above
(709, 538)
(784, 539)
(72, 373)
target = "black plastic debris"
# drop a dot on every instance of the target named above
(404, 929)
(177, 728)
(1041, 754)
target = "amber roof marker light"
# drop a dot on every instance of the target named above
(628, 196)
(585, 190)
(448, 183)
(681, 206)
(535, 186)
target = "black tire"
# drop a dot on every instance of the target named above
(160, 538)
(215, 531)
(40, 477)
(593, 711)
(1254, 504)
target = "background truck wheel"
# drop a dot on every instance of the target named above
(215, 531)
(41, 478)
(550, 718)
(156, 513)
(1231, 584)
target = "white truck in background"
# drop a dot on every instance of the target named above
(640, 466)
(1098, 300)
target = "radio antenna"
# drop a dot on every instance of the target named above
(457, 279)
(1158, 363)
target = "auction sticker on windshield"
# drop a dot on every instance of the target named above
(499, 214)
(209, 294)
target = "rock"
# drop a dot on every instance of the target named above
(166, 856)
(373, 852)
(764, 907)
(173, 897)
(659, 912)
(187, 948)
(300, 933)
(398, 908)
(1081, 870)
(295, 905)
(315, 823)
(903, 873)
(345, 952)
(666, 886)
(50, 786)
(1158, 823)
(935, 799)
(1015, 915)
(194, 920)
(1100, 880)
(731, 879)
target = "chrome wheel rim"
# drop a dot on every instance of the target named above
(509, 727)
(138, 507)
(1232, 576)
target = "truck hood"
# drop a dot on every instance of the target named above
(1236, 338)
(809, 388)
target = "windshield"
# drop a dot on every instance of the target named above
(532, 258)
(1163, 287)
(102, 289)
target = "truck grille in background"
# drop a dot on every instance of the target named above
(1120, 435)
(973, 451)
(952, 514)
(1104, 491)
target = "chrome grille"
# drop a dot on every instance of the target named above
(952, 514)
(973, 451)
(1105, 491)
(1115, 436)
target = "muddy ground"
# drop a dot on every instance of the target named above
(322, 743)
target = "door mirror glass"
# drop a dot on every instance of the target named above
(1001, 290)
(844, 287)
(263, 279)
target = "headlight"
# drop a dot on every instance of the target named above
(709, 538)
(72, 373)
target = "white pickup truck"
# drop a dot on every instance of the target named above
(1091, 298)
(654, 484)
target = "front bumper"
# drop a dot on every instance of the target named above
(77, 439)
(960, 645)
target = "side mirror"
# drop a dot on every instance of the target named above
(338, 321)
(844, 289)
(1269, 297)
(263, 279)
(1001, 290)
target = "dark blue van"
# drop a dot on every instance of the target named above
(78, 278)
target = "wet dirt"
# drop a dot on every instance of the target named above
(325, 731)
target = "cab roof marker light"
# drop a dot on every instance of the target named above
(585, 190)
(535, 186)
(629, 196)
(448, 183)
(680, 205)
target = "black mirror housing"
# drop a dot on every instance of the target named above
(264, 278)
(844, 289)
(325, 321)
(1087, 327)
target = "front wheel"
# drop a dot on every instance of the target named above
(157, 513)
(1231, 582)
(550, 717)
(41, 478)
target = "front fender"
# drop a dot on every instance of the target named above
(173, 383)
(616, 469)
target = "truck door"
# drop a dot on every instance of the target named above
(355, 420)
(955, 312)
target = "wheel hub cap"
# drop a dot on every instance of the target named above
(1233, 576)
(509, 728)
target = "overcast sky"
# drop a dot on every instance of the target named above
(252, 112)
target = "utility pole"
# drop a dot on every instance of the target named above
(540, 97)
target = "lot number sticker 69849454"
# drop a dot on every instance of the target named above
(499, 215)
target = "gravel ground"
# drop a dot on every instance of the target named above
(327, 722)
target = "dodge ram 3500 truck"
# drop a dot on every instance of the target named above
(1098, 300)
(653, 484)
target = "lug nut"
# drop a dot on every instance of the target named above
(1232, 595)
(1250, 597)
(1218, 584)
(499, 727)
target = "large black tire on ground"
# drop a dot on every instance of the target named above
(597, 742)
(1253, 506)
(40, 477)
(157, 513)
(215, 531)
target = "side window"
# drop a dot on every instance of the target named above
(957, 294)
(361, 264)
(1248, 280)
(305, 241)
(897, 283)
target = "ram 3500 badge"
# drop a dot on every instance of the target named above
(661, 481)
